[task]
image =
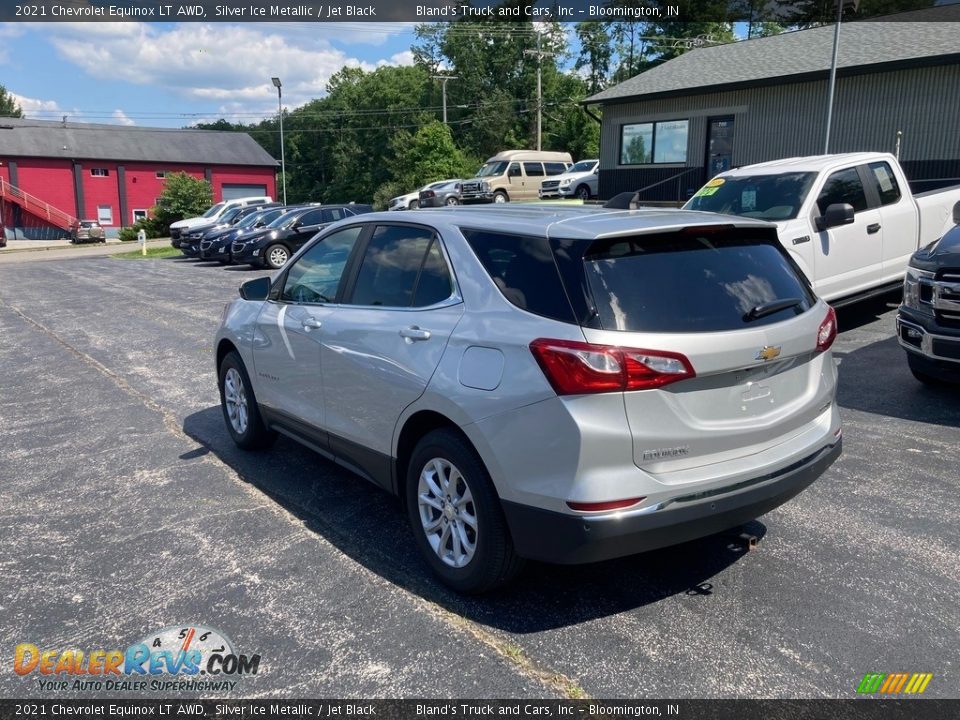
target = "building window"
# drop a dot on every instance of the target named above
(653, 143)
(105, 214)
(99, 172)
(139, 215)
(161, 174)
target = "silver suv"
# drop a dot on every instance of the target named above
(562, 384)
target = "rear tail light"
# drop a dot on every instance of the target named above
(828, 331)
(577, 368)
(604, 506)
(427, 194)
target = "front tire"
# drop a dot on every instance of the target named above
(583, 192)
(276, 256)
(239, 404)
(414, 204)
(500, 197)
(456, 516)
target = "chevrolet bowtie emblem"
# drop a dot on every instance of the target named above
(768, 353)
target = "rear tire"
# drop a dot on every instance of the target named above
(239, 404)
(451, 201)
(456, 516)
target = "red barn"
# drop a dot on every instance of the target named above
(53, 173)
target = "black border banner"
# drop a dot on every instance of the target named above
(862, 708)
(426, 11)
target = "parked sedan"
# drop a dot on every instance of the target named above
(87, 231)
(411, 201)
(486, 367)
(189, 240)
(447, 193)
(274, 244)
(215, 245)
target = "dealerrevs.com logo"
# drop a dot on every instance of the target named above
(174, 659)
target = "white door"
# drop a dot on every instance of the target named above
(848, 257)
(901, 223)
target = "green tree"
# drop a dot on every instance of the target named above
(494, 97)
(183, 196)
(596, 52)
(421, 158)
(8, 104)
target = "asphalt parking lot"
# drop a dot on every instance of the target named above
(125, 508)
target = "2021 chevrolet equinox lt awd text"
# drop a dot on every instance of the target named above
(561, 384)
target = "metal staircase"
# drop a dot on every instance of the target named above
(35, 206)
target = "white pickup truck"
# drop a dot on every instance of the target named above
(848, 220)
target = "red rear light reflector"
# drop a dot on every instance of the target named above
(827, 332)
(604, 506)
(577, 368)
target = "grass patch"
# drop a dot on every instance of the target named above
(154, 252)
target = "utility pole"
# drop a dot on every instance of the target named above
(540, 55)
(443, 81)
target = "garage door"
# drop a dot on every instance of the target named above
(232, 192)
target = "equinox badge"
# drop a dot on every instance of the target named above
(768, 353)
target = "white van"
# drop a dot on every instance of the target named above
(514, 175)
(177, 228)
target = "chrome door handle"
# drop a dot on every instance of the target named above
(414, 334)
(311, 323)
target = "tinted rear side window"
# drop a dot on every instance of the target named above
(390, 266)
(681, 283)
(523, 269)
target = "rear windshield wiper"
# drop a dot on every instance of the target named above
(770, 308)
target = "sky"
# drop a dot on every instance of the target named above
(172, 75)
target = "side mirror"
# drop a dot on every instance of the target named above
(835, 215)
(256, 289)
(956, 214)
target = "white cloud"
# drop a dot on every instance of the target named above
(31, 105)
(121, 117)
(404, 57)
(228, 63)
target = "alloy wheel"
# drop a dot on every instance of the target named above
(447, 512)
(235, 397)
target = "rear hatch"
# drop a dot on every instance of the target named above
(724, 336)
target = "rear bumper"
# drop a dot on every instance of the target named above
(571, 539)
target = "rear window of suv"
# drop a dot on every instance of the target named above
(692, 282)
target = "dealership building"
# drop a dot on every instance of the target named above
(53, 173)
(668, 130)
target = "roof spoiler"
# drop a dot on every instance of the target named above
(624, 201)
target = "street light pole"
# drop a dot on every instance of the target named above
(841, 5)
(283, 161)
(443, 82)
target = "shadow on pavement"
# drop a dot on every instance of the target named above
(876, 379)
(866, 311)
(369, 526)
